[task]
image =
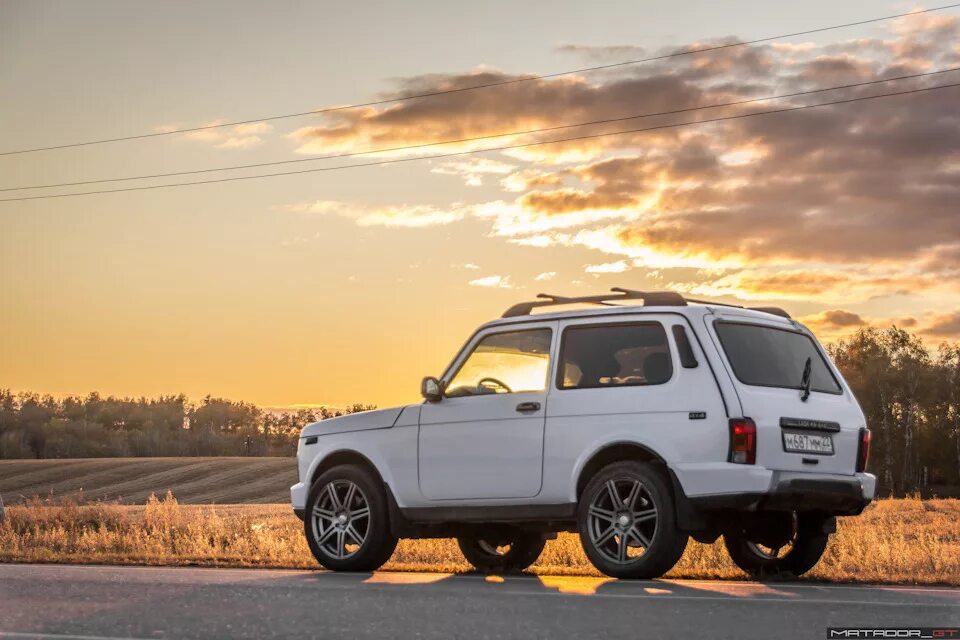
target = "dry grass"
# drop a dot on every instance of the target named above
(901, 541)
(133, 480)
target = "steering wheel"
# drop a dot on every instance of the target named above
(496, 382)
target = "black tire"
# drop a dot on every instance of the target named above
(482, 553)
(327, 534)
(808, 544)
(665, 543)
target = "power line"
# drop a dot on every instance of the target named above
(481, 86)
(501, 148)
(486, 137)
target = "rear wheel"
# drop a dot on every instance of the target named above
(502, 553)
(627, 522)
(346, 520)
(791, 553)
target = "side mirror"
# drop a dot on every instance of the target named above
(431, 389)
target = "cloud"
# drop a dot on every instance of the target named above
(835, 204)
(501, 282)
(472, 170)
(513, 107)
(241, 136)
(945, 325)
(531, 179)
(821, 285)
(833, 319)
(604, 53)
(608, 267)
(545, 276)
(837, 323)
(388, 216)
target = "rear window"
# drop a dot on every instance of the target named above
(600, 356)
(769, 357)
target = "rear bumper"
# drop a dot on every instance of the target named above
(836, 496)
(832, 494)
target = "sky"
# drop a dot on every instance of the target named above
(349, 286)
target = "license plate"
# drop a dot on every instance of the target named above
(821, 444)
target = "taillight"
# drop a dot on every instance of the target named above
(863, 450)
(743, 441)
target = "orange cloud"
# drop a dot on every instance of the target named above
(945, 325)
(837, 323)
(389, 216)
(840, 203)
(833, 321)
(822, 284)
(499, 282)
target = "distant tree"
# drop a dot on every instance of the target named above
(34, 416)
(948, 409)
(8, 420)
(902, 392)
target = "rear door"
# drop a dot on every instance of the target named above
(625, 379)
(804, 422)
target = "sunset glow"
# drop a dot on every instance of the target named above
(348, 286)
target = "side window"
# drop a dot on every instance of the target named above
(602, 356)
(504, 363)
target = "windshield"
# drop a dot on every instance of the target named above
(770, 357)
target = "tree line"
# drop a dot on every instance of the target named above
(909, 393)
(911, 397)
(40, 426)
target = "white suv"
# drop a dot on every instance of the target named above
(636, 426)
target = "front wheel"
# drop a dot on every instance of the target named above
(793, 553)
(346, 521)
(502, 554)
(627, 522)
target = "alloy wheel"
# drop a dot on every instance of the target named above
(341, 519)
(622, 520)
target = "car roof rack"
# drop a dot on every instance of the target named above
(649, 298)
(777, 311)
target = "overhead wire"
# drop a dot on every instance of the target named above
(489, 149)
(479, 138)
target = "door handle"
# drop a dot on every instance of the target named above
(524, 407)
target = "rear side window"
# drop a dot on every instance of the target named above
(770, 357)
(618, 355)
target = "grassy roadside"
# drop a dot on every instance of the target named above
(896, 541)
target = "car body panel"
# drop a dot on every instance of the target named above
(481, 447)
(360, 421)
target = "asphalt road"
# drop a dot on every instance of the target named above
(92, 603)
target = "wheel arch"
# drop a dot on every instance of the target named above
(614, 452)
(348, 456)
(688, 517)
(344, 457)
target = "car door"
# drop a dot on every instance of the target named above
(768, 360)
(621, 379)
(484, 438)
